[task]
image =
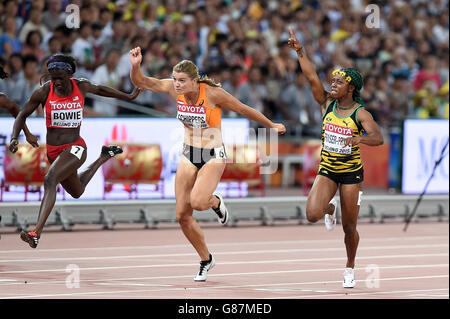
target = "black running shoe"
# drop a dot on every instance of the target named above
(221, 211)
(111, 150)
(30, 237)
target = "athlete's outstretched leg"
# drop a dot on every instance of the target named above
(64, 170)
(75, 184)
(66, 164)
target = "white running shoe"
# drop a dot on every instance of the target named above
(349, 278)
(221, 211)
(330, 220)
(205, 266)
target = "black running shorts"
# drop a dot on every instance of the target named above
(201, 156)
(355, 177)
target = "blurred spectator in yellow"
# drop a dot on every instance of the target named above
(426, 101)
(444, 100)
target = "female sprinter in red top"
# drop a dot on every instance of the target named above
(63, 101)
(344, 120)
(199, 102)
(13, 109)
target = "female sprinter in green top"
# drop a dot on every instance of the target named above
(344, 120)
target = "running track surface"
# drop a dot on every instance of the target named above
(285, 261)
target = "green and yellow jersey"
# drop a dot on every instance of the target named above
(335, 129)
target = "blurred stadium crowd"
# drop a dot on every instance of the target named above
(243, 45)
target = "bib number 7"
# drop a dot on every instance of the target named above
(77, 151)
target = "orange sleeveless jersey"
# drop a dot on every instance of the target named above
(199, 115)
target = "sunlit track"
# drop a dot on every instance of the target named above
(296, 262)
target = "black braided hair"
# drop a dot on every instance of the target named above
(357, 81)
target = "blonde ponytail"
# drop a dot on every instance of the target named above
(209, 81)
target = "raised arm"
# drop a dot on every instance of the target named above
(319, 93)
(30, 106)
(226, 100)
(102, 90)
(374, 136)
(145, 82)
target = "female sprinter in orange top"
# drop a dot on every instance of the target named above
(199, 102)
(344, 120)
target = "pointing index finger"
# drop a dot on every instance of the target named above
(292, 33)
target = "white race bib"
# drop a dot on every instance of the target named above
(77, 150)
(334, 136)
(219, 152)
(66, 118)
(192, 115)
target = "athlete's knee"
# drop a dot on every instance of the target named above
(50, 180)
(313, 217)
(313, 213)
(184, 219)
(75, 195)
(349, 229)
(199, 202)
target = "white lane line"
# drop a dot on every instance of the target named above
(270, 284)
(240, 244)
(138, 284)
(278, 261)
(203, 288)
(241, 252)
(350, 294)
(247, 273)
(234, 274)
